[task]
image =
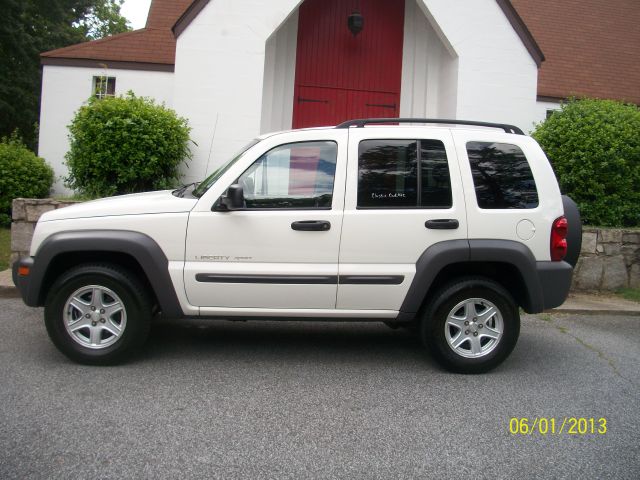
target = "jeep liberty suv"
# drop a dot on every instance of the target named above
(445, 227)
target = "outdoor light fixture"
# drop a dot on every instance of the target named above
(355, 22)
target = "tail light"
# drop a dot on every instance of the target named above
(559, 239)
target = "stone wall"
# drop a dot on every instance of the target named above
(25, 215)
(609, 260)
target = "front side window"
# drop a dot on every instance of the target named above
(502, 176)
(208, 182)
(294, 176)
(403, 174)
(104, 86)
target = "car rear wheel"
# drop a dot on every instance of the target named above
(97, 314)
(471, 325)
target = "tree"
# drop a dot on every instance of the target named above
(104, 19)
(30, 27)
(594, 147)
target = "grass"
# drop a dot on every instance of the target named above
(545, 317)
(632, 294)
(77, 197)
(5, 247)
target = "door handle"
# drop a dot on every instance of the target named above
(442, 224)
(311, 226)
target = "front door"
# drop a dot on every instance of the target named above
(341, 76)
(281, 250)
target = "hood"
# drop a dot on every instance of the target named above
(134, 204)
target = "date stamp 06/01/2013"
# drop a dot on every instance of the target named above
(558, 426)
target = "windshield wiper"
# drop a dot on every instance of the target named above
(181, 191)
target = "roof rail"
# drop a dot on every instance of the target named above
(360, 123)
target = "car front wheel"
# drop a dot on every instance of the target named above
(97, 314)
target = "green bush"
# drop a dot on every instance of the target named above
(594, 146)
(22, 174)
(125, 145)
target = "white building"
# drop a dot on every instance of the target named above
(239, 68)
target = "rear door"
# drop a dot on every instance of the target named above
(400, 182)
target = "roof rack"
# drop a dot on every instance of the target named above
(360, 123)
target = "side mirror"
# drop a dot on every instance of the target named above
(233, 200)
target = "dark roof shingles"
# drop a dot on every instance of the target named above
(153, 44)
(591, 47)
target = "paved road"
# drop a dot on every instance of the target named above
(294, 400)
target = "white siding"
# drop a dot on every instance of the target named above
(220, 60)
(429, 69)
(279, 77)
(497, 77)
(66, 89)
(542, 108)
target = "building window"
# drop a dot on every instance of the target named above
(502, 176)
(104, 86)
(403, 174)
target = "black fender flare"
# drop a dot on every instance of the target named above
(141, 247)
(442, 254)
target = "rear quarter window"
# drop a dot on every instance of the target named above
(502, 176)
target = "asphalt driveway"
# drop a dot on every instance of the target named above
(300, 400)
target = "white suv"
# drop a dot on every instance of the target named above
(446, 230)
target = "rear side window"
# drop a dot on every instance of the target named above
(403, 174)
(502, 176)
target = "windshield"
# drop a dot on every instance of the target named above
(211, 179)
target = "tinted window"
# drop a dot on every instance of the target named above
(403, 174)
(388, 173)
(435, 182)
(502, 176)
(297, 175)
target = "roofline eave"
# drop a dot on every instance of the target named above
(107, 64)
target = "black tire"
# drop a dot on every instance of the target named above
(491, 352)
(116, 286)
(574, 230)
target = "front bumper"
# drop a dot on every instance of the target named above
(22, 282)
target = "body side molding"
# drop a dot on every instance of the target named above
(268, 279)
(301, 279)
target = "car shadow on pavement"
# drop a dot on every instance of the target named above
(280, 340)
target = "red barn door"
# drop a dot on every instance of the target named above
(340, 76)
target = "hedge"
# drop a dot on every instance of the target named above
(594, 147)
(22, 174)
(124, 145)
